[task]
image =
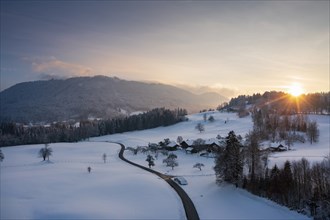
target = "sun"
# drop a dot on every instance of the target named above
(295, 89)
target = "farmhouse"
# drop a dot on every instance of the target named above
(194, 146)
(172, 146)
(186, 144)
(279, 148)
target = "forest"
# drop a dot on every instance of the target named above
(12, 133)
(299, 185)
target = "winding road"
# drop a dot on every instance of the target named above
(188, 205)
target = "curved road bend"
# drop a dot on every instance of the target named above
(188, 205)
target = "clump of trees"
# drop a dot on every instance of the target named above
(151, 161)
(269, 125)
(132, 149)
(45, 152)
(18, 134)
(299, 185)
(171, 161)
(211, 118)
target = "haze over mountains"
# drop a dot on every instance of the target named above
(98, 96)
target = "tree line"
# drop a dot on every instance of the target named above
(283, 103)
(12, 133)
(299, 185)
(154, 118)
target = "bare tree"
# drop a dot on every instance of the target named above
(312, 132)
(253, 156)
(45, 152)
(200, 127)
(179, 139)
(199, 166)
(289, 140)
(104, 157)
(198, 144)
(171, 161)
(204, 116)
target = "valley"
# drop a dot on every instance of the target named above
(66, 190)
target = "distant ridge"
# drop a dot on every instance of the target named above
(98, 96)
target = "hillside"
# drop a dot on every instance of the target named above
(99, 96)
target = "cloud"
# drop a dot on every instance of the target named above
(55, 68)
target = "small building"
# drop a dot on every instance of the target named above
(186, 144)
(279, 148)
(172, 146)
(212, 145)
(189, 150)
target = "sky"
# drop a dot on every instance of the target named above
(234, 47)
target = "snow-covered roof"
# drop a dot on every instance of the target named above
(207, 142)
(189, 142)
(212, 141)
(153, 145)
(172, 144)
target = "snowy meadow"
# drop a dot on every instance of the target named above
(63, 189)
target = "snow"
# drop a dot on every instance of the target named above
(123, 111)
(76, 125)
(213, 201)
(185, 129)
(228, 202)
(136, 113)
(315, 152)
(63, 189)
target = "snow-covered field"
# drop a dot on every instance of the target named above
(115, 190)
(241, 126)
(185, 129)
(315, 152)
(213, 201)
(63, 189)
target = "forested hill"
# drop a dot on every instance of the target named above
(282, 102)
(99, 96)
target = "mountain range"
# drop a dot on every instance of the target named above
(98, 96)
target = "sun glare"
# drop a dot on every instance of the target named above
(296, 89)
